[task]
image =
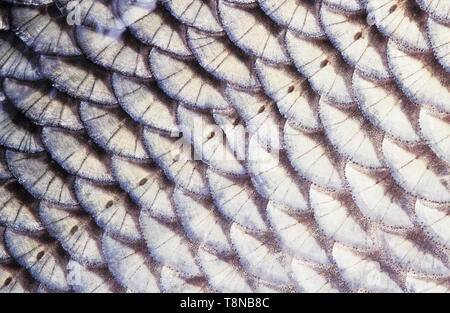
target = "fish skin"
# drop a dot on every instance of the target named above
(224, 139)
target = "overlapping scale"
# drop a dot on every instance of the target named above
(114, 50)
(351, 134)
(113, 130)
(378, 198)
(253, 32)
(299, 16)
(41, 177)
(84, 279)
(74, 153)
(359, 43)
(152, 25)
(223, 275)
(41, 256)
(218, 56)
(78, 78)
(261, 258)
(168, 245)
(130, 266)
(418, 171)
(16, 132)
(435, 221)
(259, 114)
(439, 39)
(387, 108)
(16, 61)
(435, 130)
(94, 13)
(112, 210)
(75, 230)
(436, 8)
(196, 13)
(144, 102)
(363, 272)
(176, 158)
(312, 279)
(43, 104)
(201, 221)
(224, 146)
(146, 185)
(295, 99)
(44, 30)
(313, 158)
(338, 218)
(417, 256)
(274, 179)
(207, 140)
(297, 235)
(185, 82)
(402, 21)
(421, 79)
(18, 209)
(16, 279)
(237, 201)
(323, 66)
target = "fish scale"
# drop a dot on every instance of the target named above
(163, 145)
